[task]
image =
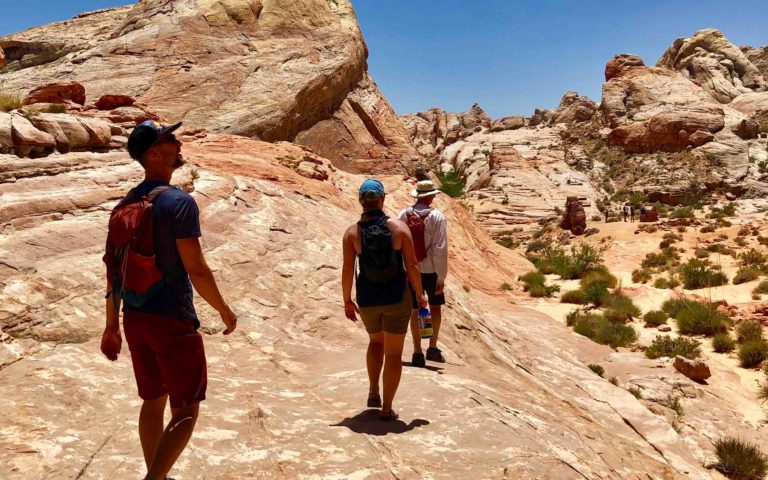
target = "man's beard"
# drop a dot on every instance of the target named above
(179, 161)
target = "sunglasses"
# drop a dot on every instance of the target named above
(169, 138)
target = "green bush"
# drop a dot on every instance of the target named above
(668, 256)
(664, 346)
(707, 229)
(575, 264)
(602, 331)
(599, 370)
(620, 308)
(672, 306)
(451, 183)
(536, 246)
(661, 282)
(746, 274)
(655, 318)
(721, 249)
(697, 318)
(539, 291)
(505, 287)
(702, 253)
(580, 314)
(584, 258)
(641, 276)
(600, 275)
(700, 274)
(761, 288)
(723, 343)
(740, 460)
(752, 353)
(682, 212)
(574, 296)
(748, 330)
(533, 278)
(595, 293)
(753, 258)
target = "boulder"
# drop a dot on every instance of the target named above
(620, 63)
(508, 123)
(714, 63)
(111, 102)
(29, 140)
(671, 130)
(71, 93)
(99, 132)
(540, 117)
(2, 58)
(746, 129)
(69, 131)
(574, 108)
(6, 137)
(696, 370)
(574, 217)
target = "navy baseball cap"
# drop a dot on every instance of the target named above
(371, 189)
(145, 135)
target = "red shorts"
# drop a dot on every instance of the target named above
(168, 358)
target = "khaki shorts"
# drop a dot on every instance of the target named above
(393, 318)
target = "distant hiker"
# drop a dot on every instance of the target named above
(605, 212)
(153, 259)
(626, 211)
(384, 252)
(430, 240)
(632, 213)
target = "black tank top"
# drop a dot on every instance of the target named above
(373, 294)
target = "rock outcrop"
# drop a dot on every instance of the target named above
(573, 108)
(714, 63)
(289, 66)
(574, 218)
(433, 130)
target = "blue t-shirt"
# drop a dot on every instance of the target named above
(174, 215)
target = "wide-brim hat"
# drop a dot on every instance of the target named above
(425, 188)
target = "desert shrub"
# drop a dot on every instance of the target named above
(614, 381)
(668, 256)
(723, 343)
(635, 391)
(573, 296)
(600, 330)
(599, 275)
(451, 183)
(721, 249)
(655, 318)
(740, 460)
(599, 370)
(569, 265)
(752, 353)
(743, 231)
(578, 315)
(540, 291)
(620, 308)
(665, 346)
(595, 293)
(533, 278)
(673, 402)
(641, 276)
(505, 287)
(761, 288)
(748, 330)
(56, 108)
(701, 274)
(702, 253)
(753, 258)
(707, 229)
(584, 258)
(10, 101)
(682, 212)
(536, 246)
(661, 282)
(740, 242)
(672, 306)
(746, 274)
(697, 318)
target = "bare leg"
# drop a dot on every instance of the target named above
(173, 441)
(437, 317)
(393, 367)
(415, 332)
(151, 426)
(374, 359)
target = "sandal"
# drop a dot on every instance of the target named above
(374, 400)
(389, 416)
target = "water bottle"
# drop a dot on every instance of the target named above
(425, 323)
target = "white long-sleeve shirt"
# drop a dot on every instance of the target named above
(435, 240)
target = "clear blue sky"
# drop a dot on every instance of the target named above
(511, 56)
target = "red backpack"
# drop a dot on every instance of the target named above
(415, 223)
(130, 255)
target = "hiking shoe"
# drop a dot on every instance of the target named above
(374, 400)
(417, 360)
(434, 354)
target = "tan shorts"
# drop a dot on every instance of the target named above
(393, 318)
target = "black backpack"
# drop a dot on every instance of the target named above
(379, 262)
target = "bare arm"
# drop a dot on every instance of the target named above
(202, 279)
(348, 273)
(111, 340)
(411, 264)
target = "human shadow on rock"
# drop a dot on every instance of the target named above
(438, 370)
(368, 422)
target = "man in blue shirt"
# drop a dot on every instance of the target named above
(166, 350)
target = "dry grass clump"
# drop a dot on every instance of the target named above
(740, 460)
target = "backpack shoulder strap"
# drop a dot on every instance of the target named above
(157, 191)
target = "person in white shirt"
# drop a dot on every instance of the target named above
(429, 229)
